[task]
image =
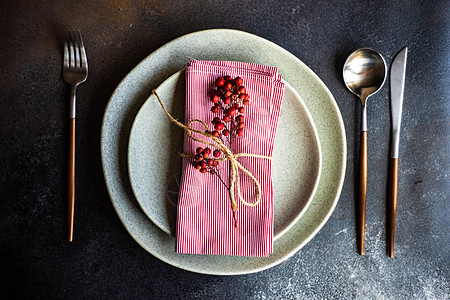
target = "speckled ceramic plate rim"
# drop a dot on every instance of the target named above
(136, 87)
(151, 209)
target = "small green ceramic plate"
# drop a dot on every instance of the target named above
(154, 163)
(220, 44)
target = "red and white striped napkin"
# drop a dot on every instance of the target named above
(205, 223)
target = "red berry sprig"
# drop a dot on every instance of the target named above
(204, 163)
(229, 97)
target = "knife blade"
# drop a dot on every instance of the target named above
(397, 86)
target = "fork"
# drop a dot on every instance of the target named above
(75, 71)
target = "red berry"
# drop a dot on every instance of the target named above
(242, 90)
(216, 120)
(229, 85)
(228, 93)
(207, 151)
(198, 157)
(228, 78)
(231, 111)
(198, 166)
(210, 162)
(203, 170)
(241, 110)
(227, 100)
(215, 98)
(199, 150)
(242, 96)
(240, 132)
(216, 163)
(225, 132)
(216, 153)
(240, 125)
(226, 118)
(236, 105)
(219, 126)
(238, 80)
(247, 97)
(245, 102)
(215, 109)
(240, 118)
(220, 81)
(215, 133)
(203, 164)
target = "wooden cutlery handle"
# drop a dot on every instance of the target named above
(71, 186)
(362, 190)
(392, 203)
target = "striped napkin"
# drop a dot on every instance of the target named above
(205, 222)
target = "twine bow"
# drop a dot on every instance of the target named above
(232, 158)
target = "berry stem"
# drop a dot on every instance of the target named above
(235, 219)
(221, 180)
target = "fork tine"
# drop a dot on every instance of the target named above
(66, 52)
(82, 51)
(71, 50)
(77, 50)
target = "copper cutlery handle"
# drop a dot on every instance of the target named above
(71, 186)
(392, 203)
(362, 190)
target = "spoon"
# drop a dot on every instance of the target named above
(364, 75)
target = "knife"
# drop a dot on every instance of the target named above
(397, 85)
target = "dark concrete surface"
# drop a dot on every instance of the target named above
(37, 262)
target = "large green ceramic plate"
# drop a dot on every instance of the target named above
(220, 44)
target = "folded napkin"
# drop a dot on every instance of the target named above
(205, 219)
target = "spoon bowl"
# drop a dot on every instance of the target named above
(364, 73)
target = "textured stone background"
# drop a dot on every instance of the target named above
(37, 262)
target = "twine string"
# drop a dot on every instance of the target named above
(232, 158)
